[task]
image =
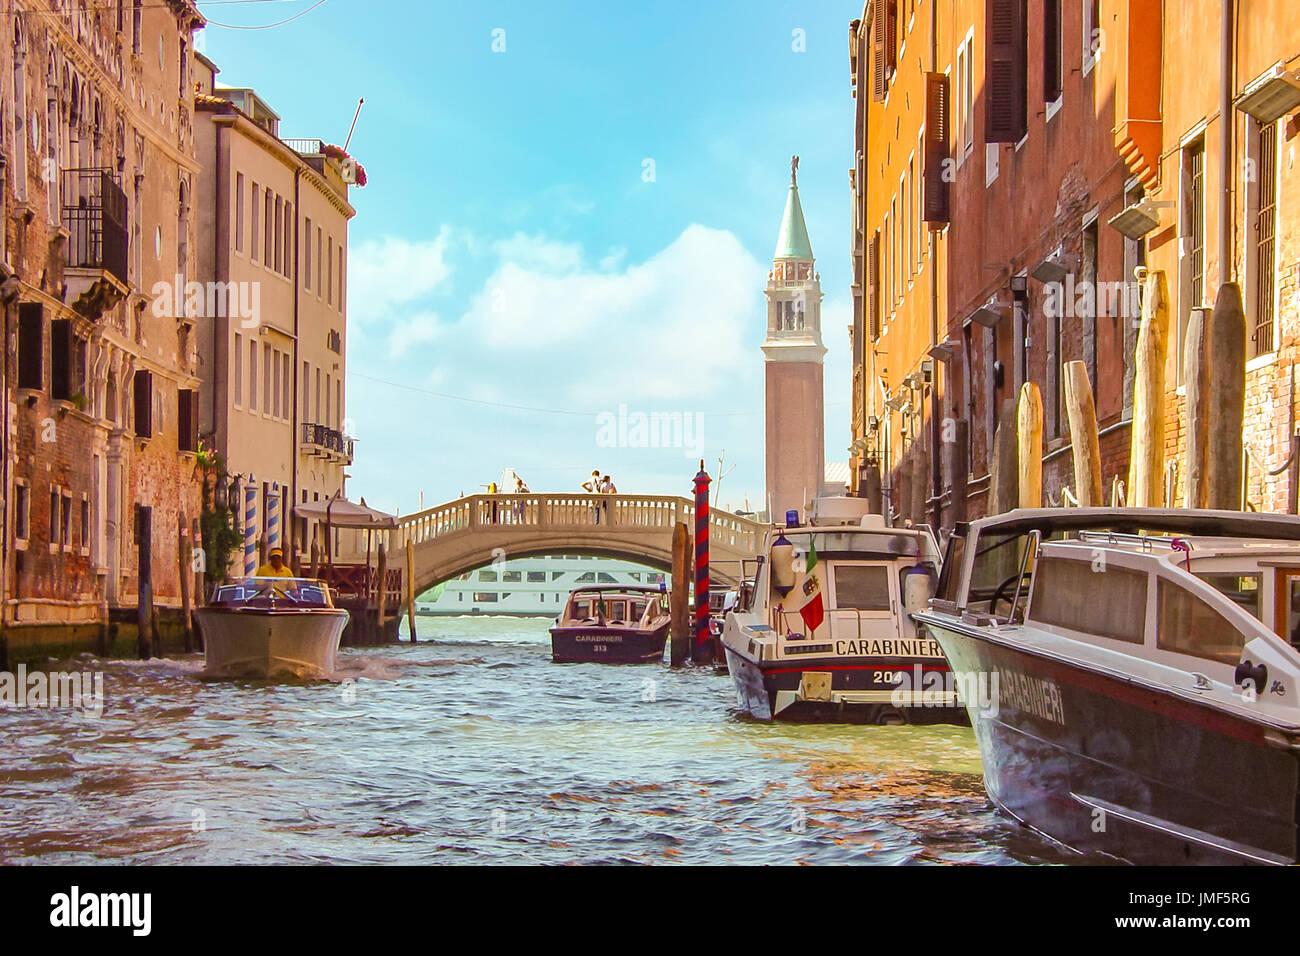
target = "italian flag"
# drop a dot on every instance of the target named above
(813, 612)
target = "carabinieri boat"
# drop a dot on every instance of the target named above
(824, 633)
(616, 624)
(1132, 676)
(271, 627)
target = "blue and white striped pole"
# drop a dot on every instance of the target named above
(250, 530)
(273, 519)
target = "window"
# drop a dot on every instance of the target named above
(22, 512)
(239, 212)
(269, 393)
(316, 406)
(966, 97)
(1191, 264)
(329, 382)
(61, 354)
(1053, 78)
(31, 346)
(1093, 40)
(277, 231)
(237, 379)
(319, 273)
(1110, 603)
(274, 378)
(65, 520)
(304, 409)
(306, 259)
(488, 576)
(1092, 303)
(1242, 589)
(1261, 247)
(83, 537)
(1188, 625)
(512, 577)
(535, 577)
(340, 277)
(136, 26)
(329, 282)
(269, 199)
(1135, 254)
(257, 219)
(485, 597)
(54, 516)
(252, 375)
(288, 238)
(864, 587)
(187, 420)
(142, 393)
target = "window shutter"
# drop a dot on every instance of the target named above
(878, 49)
(1004, 71)
(61, 359)
(31, 345)
(891, 37)
(937, 187)
(143, 395)
(873, 292)
(186, 420)
(1051, 50)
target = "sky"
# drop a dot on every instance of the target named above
(570, 211)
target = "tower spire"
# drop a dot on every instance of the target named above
(792, 242)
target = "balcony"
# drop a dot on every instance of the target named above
(326, 442)
(94, 212)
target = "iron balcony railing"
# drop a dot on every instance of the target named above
(331, 439)
(94, 210)
(305, 147)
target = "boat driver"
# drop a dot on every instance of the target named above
(275, 566)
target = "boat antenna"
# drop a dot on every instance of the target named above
(360, 101)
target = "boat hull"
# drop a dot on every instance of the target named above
(264, 643)
(1106, 766)
(607, 645)
(859, 690)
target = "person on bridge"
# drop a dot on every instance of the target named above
(492, 490)
(275, 566)
(520, 489)
(607, 488)
(593, 487)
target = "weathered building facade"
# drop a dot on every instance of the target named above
(271, 269)
(99, 386)
(1056, 154)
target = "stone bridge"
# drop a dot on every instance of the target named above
(451, 539)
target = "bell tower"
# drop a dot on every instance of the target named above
(792, 358)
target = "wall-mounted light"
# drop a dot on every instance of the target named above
(1271, 96)
(990, 314)
(1052, 269)
(943, 351)
(1138, 219)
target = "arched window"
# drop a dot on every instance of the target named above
(18, 114)
(182, 241)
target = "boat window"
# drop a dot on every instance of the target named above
(855, 542)
(512, 577)
(638, 608)
(997, 561)
(556, 575)
(1242, 589)
(1188, 625)
(535, 576)
(582, 609)
(950, 574)
(616, 610)
(1109, 603)
(604, 578)
(487, 576)
(862, 586)
(485, 597)
(588, 578)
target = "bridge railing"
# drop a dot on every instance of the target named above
(504, 513)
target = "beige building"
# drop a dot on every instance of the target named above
(271, 267)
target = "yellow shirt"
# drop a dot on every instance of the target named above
(266, 571)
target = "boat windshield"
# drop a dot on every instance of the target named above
(858, 543)
(265, 592)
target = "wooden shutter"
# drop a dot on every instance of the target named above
(937, 187)
(61, 359)
(187, 420)
(877, 49)
(143, 396)
(873, 290)
(891, 37)
(1051, 50)
(1004, 71)
(31, 345)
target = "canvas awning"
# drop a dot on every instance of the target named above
(342, 513)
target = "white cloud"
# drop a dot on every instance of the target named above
(386, 273)
(418, 330)
(538, 252)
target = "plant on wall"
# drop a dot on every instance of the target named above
(217, 520)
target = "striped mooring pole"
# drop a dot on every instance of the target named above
(702, 647)
(250, 529)
(273, 520)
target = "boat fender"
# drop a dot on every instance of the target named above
(916, 589)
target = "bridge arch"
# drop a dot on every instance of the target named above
(468, 533)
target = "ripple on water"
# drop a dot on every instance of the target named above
(475, 747)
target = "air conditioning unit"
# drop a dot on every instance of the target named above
(1271, 96)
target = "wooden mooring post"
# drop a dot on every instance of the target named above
(1146, 459)
(1004, 470)
(381, 591)
(184, 560)
(410, 589)
(1196, 378)
(144, 581)
(1227, 402)
(1029, 433)
(1084, 441)
(679, 645)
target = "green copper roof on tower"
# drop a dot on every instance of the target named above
(793, 242)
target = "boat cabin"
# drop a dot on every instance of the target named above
(255, 592)
(615, 606)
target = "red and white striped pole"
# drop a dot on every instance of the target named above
(702, 648)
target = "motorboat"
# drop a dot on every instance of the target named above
(825, 633)
(268, 627)
(1133, 677)
(614, 624)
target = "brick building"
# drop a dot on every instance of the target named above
(1018, 165)
(99, 384)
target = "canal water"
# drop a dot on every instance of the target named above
(471, 746)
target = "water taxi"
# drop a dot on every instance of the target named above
(825, 633)
(1133, 677)
(271, 627)
(613, 624)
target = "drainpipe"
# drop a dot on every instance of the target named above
(1227, 260)
(936, 460)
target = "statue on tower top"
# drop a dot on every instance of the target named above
(794, 167)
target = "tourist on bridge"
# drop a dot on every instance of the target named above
(520, 489)
(492, 490)
(593, 487)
